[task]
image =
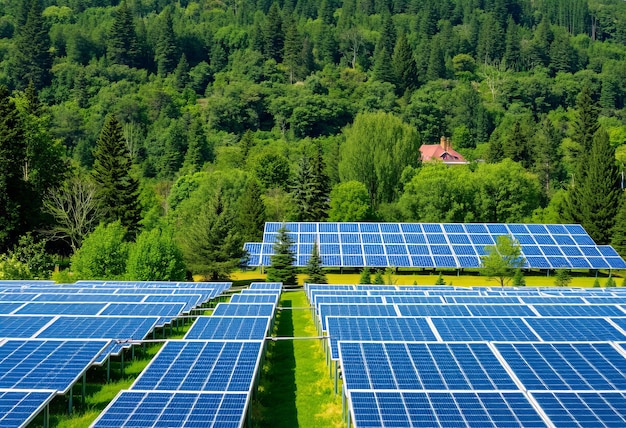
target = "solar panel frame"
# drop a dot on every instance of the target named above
(229, 328)
(19, 407)
(583, 408)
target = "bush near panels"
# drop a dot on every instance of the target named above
(103, 254)
(155, 257)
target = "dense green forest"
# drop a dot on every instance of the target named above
(150, 139)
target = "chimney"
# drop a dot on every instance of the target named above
(442, 142)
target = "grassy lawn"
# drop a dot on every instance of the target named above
(296, 389)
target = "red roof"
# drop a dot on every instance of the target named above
(432, 152)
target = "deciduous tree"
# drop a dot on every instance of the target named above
(502, 260)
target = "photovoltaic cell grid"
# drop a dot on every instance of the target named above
(23, 326)
(424, 245)
(45, 364)
(443, 409)
(243, 310)
(202, 366)
(17, 408)
(229, 328)
(174, 409)
(583, 409)
(358, 310)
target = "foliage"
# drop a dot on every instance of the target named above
(610, 282)
(155, 257)
(32, 253)
(281, 268)
(562, 278)
(518, 279)
(596, 283)
(440, 280)
(11, 268)
(315, 272)
(366, 276)
(251, 216)
(103, 254)
(378, 278)
(502, 260)
(349, 201)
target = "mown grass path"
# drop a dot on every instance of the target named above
(296, 389)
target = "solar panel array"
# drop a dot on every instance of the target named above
(504, 357)
(50, 334)
(207, 378)
(435, 245)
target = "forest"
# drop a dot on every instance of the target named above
(149, 139)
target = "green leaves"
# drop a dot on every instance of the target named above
(282, 268)
(502, 260)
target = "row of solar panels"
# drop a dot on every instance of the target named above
(433, 245)
(207, 378)
(43, 350)
(478, 365)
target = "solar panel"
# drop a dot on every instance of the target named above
(243, 310)
(566, 366)
(71, 327)
(7, 308)
(170, 310)
(45, 364)
(574, 329)
(473, 329)
(229, 328)
(266, 286)
(408, 299)
(433, 310)
(361, 310)
(174, 409)
(443, 409)
(22, 326)
(18, 408)
(35, 308)
(255, 298)
(96, 297)
(202, 366)
(422, 366)
(579, 310)
(376, 329)
(583, 409)
(500, 310)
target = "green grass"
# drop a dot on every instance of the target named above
(296, 389)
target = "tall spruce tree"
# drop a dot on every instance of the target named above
(12, 152)
(314, 270)
(32, 59)
(118, 191)
(512, 49)
(251, 212)
(282, 267)
(320, 186)
(404, 66)
(273, 34)
(618, 234)
(122, 43)
(166, 53)
(292, 49)
(600, 190)
(211, 245)
(302, 191)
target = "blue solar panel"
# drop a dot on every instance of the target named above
(376, 261)
(255, 298)
(573, 329)
(18, 408)
(35, 308)
(190, 300)
(495, 300)
(566, 300)
(459, 239)
(308, 227)
(414, 238)
(349, 227)
(7, 308)
(399, 261)
(23, 326)
(566, 366)
(433, 310)
(615, 262)
(124, 328)
(17, 297)
(170, 310)
(174, 409)
(392, 238)
(432, 227)
(443, 409)
(417, 366)
(579, 311)
(492, 329)
(361, 310)
(376, 329)
(96, 297)
(202, 366)
(468, 262)
(46, 364)
(243, 310)
(500, 310)
(583, 409)
(229, 328)
(412, 299)
(411, 228)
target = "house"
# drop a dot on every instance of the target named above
(442, 152)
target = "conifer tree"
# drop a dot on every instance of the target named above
(293, 49)
(302, 191)
(382, 70)
(251, 212)
(512, 50)
(388, 35)
(618, 234)
(518, 279)
(246, 143)
(320, 186)
(314, 268)
(212, 245)
(440, 280)
(12, 152)
(118, 191)
(404, 66)
(273, 34)
(181, 73)
(610, 282)
(282, 268)
(166, 50)
(378, 278)
(32, 58)
(547, 155)
(599, 191)
(122, 43)
(366, 276)
(596, 283)
(436, 63)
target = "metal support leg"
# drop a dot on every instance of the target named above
(336, 377)
(122, 364)
(70, 401)
(84, 391)
(108, 368)
(46, 416)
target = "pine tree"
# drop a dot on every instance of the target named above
(561, 53)
(320, 186)
(366, 276)
(293, 49)
(246, 143)
(181, 73)
(326, 11)
(404, 66)
(518, 279)
(440, 280)
(122, 43)
(378, 278)
(562, 278)
(436, 62)
(273, 34)
(388, 35)
(166, 50)
(302, 191)
(251, 212)
(512, 55)
(12, 151)
(491, 43)
(212, 246)
(118, 191)
(599, 191)
(610, 282)
(383, 70)
(314, 268)
(618, 234)
(32, 57)
(596, 283)
(547, 156)
(282, 268)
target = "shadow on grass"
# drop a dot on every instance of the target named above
(275, 403)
